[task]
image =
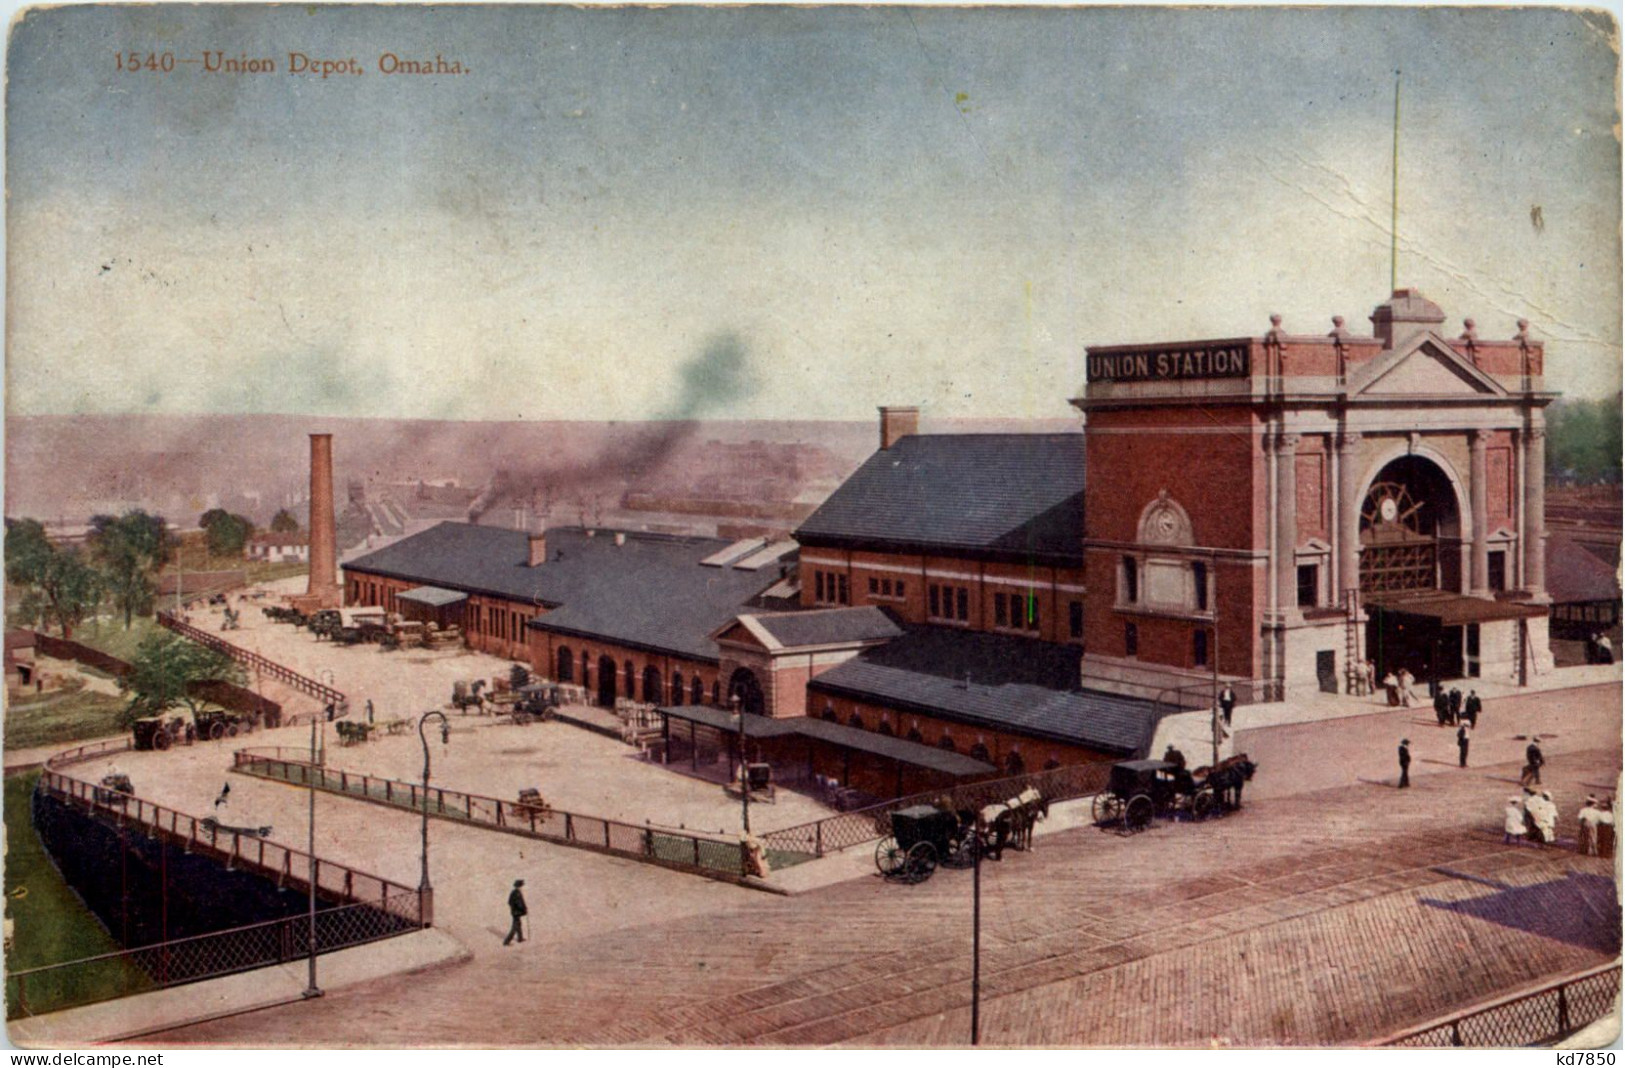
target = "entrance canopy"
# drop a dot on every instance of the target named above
(433, 596)
(882, 745)
(1452, 609)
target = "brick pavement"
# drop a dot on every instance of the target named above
(1088, 940)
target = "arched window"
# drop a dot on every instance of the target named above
(651, 686)
(586, 661)
(855, 720)
(676, 687)
(566, 664)
(914, 735)
(979, 752)
(1051, 764)
(631, 679)
(885, 728)
(947, 743)
(716, 694)
(696, 694)
(829, 714)
(1014, 765)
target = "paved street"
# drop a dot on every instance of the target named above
(1389, 907)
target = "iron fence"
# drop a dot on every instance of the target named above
(848, 829)
(1535, 1018)
(53, 987)
(685, 850)
(324, 693)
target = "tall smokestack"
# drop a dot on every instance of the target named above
(897, 422)
(324, 560)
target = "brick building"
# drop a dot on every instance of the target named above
(1275, 508)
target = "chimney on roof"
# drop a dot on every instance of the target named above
(898, 423)
(538, 548)
(620, 537)
(1403, 316)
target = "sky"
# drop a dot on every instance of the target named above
(776, 213)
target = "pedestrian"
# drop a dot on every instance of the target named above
(1434, 689)
(1590, 816)
(1461, 743)
(1370, 678)
(225, 792)
(1605, 650)
(1534, 759)
(1441, 708)
(1471, 707)
(330, 711)
(1515, 823)
(1227, 702)
(1543, 810)
(1390, 683)
(517, 909)
(1404, 763)
(369, 710)
(1605, 829)
(1455, 704)
(1406, 681)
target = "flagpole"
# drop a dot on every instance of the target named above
(1393, 229)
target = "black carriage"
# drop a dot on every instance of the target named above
(216, 723)
(923, 836)
(536, 702)
(1141, 790)
(155, 732)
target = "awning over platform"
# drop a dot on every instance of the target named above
(433, 596)
(1452, 609)
(883, 745)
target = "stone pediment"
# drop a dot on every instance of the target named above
(1425, 366)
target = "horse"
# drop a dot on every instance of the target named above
(1010, 823)
(1230, 775)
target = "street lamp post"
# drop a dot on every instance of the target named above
(312, 990)
(744, 776)
(425, 891)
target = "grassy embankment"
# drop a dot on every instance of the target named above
(52, 924)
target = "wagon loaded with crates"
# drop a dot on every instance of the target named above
(923, 836)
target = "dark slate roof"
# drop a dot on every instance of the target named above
(1016, 684)
(830, 626)
(1575, 575)
(1010, 496)
(649, 593)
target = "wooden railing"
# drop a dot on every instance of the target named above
(270, 668)
(713, 856)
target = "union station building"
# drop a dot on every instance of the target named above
(1267, 512)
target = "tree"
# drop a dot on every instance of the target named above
(1583, 440)
(58, 585)
(226, 533)
(163, 673)
(284, 522)
(130, 549)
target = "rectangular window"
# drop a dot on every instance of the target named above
(1199, 648)
(845, 593)
(899, 587)
(1498, 571)
(874, 586)
(936, 603)
(964, 603)
(1131, 581)
(885, 587)
(1308, 585)
(1199, 580)
(1031, 616)
(818, 586)
(1131, 640)
(1075, 619)
(1000, 615)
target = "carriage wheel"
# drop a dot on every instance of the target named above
(922, 861)
(890, 857)
(217, 731)
(962, 853)
(522, 718)
(1138, 813)
(232, 731)
(1202, 804)
(1108, 808)
(160, 740)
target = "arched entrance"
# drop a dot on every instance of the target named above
(606, 681)
(1411, 552)
(566, 664)
(651, 686)
(1410, 530)
(744, 685)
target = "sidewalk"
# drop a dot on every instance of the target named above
(189, 1003)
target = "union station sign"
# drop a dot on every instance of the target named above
(1223, 360)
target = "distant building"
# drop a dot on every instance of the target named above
(278, 548)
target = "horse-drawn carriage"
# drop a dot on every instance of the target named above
(756, 778)
(465, 696)
(923, 836)
(115, 789)
(155, 732)
(354, 733)
(1141, 790)
(217, 723)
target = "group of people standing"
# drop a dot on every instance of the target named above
(1533, 815)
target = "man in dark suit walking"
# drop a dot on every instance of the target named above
(1461, 743)
(1533, 759)
(1227, 702)
(1404, 763)
(1471, 707)
(516, 907)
